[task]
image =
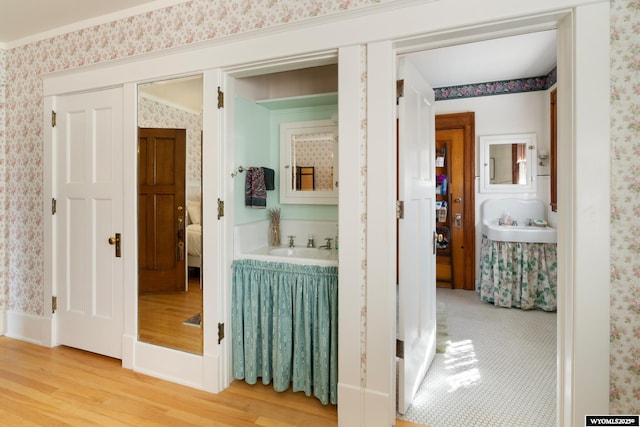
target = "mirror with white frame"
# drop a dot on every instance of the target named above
(309, 162)
(508, 163)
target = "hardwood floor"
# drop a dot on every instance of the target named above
(161, 317)
(62, 386)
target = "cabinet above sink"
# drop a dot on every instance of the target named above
(309, 162)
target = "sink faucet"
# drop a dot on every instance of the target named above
(291, 242)
(327, 245)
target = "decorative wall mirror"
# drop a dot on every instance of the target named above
(508, 163)
(309, 162)
(169, 213)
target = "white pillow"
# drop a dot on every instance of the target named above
(195, 211)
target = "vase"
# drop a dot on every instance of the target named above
(274, 235)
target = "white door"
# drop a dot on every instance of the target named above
(416, 254)
(88, 189)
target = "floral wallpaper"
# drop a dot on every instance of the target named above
(317, 153)
(21, 257)
(4, 289)
(157, 115)
(625, 207)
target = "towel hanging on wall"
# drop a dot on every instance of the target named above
(269, 179)
(255, 191)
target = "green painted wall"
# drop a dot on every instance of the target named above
(257, 143)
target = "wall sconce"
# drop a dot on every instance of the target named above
(543, 156)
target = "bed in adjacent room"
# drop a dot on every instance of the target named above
(194, 232)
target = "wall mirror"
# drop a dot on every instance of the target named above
(309, 162)
(169, 213)
(508, 163)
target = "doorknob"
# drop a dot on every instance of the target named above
(116, 241)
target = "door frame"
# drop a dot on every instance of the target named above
(466, 122)
(583, 266)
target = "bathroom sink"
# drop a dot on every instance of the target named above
(301, 255)
(519, 233)
(313, 253)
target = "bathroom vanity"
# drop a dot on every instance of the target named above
(284, 311)
(518, 256)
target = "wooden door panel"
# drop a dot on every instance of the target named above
(459, 130)
(161, 201)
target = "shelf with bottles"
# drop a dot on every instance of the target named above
(442, 239)
(442, 211)
(441, 157)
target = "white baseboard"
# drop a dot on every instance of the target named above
(3, 322)
(128, 350)
(363, 407)
(349, 405)
(29, 327)
(377, 409)
(169, 365)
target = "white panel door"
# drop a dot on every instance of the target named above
(88, 187)
(416, 255)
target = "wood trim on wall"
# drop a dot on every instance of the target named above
(466, 122)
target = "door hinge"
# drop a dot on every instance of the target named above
(220, 332)
(220, 208)
(399, 209)
(54, 206)
(54, 304)
(220, 98)
(400, 349)
(53, 119)
(399, 89)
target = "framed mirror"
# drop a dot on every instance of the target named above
(169, 213)
(309, 162)
(508, 163)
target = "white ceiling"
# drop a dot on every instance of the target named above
(184, 93)
(516, 57)
(528, 55)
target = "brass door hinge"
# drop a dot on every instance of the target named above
(220, 98)
(220, 208)
(53, 119)
(54, 206)
(54, 304)
(399, 209)
(220, 332)
(399, 89)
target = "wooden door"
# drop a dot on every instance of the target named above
(88, 159)
(456, 266)
(161, 210)
(416, 228)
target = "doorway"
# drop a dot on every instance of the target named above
(280, 120)
(456, 147)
